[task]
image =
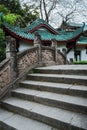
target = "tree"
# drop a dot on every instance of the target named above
(58, 11)
(4, 9)
(13, 5)
(2, 45)
(25, 14)
(45, 7)
(67, 12)
(30, 14)
(12, 19)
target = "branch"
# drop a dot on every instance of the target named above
(41, 9)
(52, 7)
(44, 5)
(61, 15)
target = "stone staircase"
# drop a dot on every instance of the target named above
(51, 98)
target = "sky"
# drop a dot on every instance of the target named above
(79, 16)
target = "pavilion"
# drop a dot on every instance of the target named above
(75, 43)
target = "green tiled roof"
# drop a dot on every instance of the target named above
(37, 23)
(82, 40)
(45, 34)
(78, 25)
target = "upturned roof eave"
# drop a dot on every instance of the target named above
(27, 39)
(12, 32)
(43, 25)
(22, 38)
(14, 35)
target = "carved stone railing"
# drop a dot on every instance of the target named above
(62, 58)
(27, 58)
(47, 55)
(51, 56)
(5, 74)
(17, 65)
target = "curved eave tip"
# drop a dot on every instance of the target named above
(1, 13)
(1, 16)
(83, 25)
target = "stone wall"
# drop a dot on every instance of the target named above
(61, 58)
(5, 74)
(51, 56)
(27, 58)
(47, 55)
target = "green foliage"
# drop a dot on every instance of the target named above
(12, 5)
(80, 62)
(11, 18)
(23, 14)
(2, 45)
(30, 14)
(4, 9)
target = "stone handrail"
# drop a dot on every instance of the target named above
(48, 55)
(26, 60)
(51, 56)
(17, 65)
(61, 58)
(5, 74)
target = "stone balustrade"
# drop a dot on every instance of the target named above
(51, 56)
(47, 54)
(17, 64)
(5, 74)
(27, 58)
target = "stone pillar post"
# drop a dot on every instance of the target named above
(12, 55)
(37, 42)
(54, 45)
(71, 61)
(65, 55)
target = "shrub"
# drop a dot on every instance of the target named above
(2, 45)
(80, 62)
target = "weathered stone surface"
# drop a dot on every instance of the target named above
(19, 63)
(17, 122)
(62, 106)
(5, 76)
(56, 117)
(28, 59)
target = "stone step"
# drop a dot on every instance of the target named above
(59, 118)
(77, 104)
(77, 90)
(13, 121)
(59, 78)
(63, 69)
(54, 98)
